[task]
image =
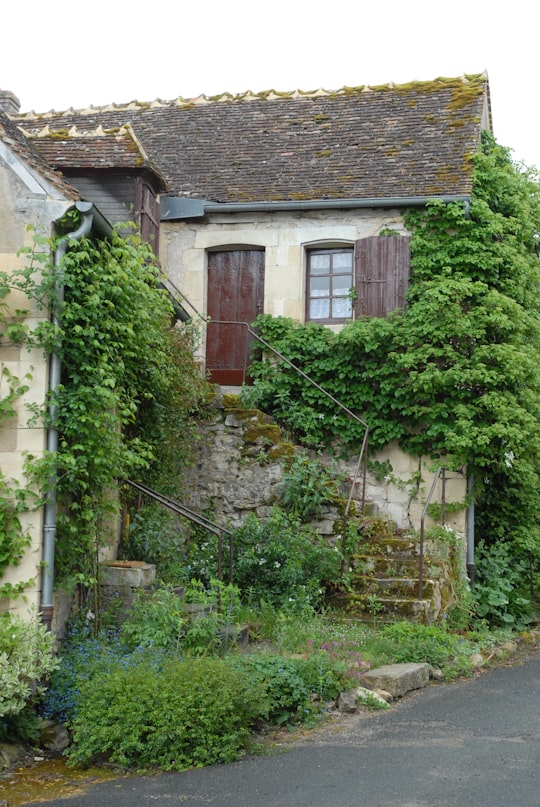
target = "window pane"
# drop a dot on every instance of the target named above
(342, 260)
(320, 264)
(319, 287)
(319, 309)
(341, 307)
(341, 284)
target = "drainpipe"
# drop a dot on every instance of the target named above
(92, 220)
(470, 529)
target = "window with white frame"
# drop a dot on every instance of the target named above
(368, 280)
(329, 284)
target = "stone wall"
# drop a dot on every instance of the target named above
(239, 467)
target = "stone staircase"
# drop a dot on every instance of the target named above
(384, 577)
(241, 463)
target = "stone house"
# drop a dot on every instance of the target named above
(277, 202)
(31, 193)
(34, 198)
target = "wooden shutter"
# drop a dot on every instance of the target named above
(147, 211)
(381, 274)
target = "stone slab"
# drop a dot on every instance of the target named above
(134, 574)
(397, 679)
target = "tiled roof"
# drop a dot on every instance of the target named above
(406, 140)
(76, 148)
(13, 137)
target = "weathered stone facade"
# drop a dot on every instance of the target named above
(239, 466)
(284, 236)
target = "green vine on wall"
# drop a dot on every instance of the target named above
(456, 373)
(129, 385)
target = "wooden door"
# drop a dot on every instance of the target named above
(235, 294)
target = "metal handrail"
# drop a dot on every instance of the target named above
(194, 517)
(440, 471)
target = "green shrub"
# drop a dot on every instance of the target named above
(283, 562)
(286, 691)
(307, 486)
(26, 656)
(157, 619)
(500, 586)
(160, 619)
(181, 714)
(157, 536)
(423, 643)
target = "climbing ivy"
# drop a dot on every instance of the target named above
(455, 373)
(129, 384)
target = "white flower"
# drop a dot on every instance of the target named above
(509, 458)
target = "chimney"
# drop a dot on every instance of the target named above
(9, 103)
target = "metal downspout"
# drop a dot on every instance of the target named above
(49, 515)
(470, 563)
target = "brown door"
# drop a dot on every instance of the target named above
(235, 294)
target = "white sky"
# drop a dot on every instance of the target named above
(59, 54)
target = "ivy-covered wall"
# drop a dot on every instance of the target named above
(455, 375)
(129, 385)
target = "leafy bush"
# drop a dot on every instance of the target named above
(157, 536)
(499, 586)
(157, 619)
(282, 561)
(286, 690)
(307, 486)
(26, 656)
(162, 619)
(321, 674)
(423, 643)
(183, 714)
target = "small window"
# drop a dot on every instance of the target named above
(329, 284)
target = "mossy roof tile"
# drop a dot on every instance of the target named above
(415, 139)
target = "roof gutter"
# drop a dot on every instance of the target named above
(175, 208)
(93, 222)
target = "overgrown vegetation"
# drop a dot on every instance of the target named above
(166, 706)
(128, 391)
(456, 373)
(26, 658)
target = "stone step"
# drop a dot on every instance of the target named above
(390, 546)
(392, 608)
(408, 608)
(393, 566)
(393, 586)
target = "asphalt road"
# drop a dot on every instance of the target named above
(473, 743)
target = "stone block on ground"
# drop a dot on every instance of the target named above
(132, 573)
(397, 679)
